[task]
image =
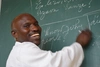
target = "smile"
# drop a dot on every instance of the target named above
(35, 35)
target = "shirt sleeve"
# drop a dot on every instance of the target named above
(69, 56)
(73, 55)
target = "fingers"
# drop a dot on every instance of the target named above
(87, 32)
(84, 37)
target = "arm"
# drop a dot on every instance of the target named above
(71, 56)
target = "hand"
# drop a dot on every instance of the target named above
(84, 37)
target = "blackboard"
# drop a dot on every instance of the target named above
(60, 20)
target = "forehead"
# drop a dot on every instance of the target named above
(26, 18)
(22, 19)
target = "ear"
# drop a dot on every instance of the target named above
(14, 34)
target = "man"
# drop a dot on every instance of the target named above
(26, 53)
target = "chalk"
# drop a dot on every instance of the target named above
(79, 31)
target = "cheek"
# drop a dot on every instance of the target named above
(24, 34)
(40, 29)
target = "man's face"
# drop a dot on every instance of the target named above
(27, 29)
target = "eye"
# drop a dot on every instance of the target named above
(36, 24)
(26, 25)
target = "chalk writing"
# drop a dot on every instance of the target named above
(79, 7)
(96, 20)
(41, 12)
(63, 30)
(67, 5)
(90, 3)
(52, 39)
(96, 42)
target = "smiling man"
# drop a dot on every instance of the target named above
(26, 28)
(26, 53)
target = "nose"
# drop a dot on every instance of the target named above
(33, 27)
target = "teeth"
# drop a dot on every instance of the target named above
(35, 35)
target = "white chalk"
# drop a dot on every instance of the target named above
(79, 31)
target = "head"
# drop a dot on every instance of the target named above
(25, 28)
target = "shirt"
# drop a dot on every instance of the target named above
(27, 54)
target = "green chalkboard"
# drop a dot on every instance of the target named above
(60, 20)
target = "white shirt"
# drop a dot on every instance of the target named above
(27, 54)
